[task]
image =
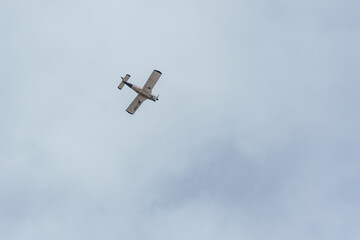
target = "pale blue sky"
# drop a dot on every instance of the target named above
(255, 135)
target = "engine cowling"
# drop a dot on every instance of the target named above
(154, 98)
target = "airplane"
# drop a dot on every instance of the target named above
(143, 93)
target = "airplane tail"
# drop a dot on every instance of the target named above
(123, 81)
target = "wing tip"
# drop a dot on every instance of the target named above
(130, 112)
(157, 71)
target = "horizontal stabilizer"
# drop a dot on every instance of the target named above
(124, 80)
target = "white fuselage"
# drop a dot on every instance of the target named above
(141, 91)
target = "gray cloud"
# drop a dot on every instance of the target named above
(255, 134)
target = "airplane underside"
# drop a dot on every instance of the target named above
(140, 91)
(144, 93)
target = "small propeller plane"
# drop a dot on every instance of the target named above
(143, 93)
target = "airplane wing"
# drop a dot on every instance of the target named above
(135, 104)
(150, 83)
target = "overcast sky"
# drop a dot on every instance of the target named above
(255, 135)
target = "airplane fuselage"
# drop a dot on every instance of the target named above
(142, 92)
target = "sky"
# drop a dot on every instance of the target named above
(255, 134)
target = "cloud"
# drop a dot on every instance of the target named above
(254, 135)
